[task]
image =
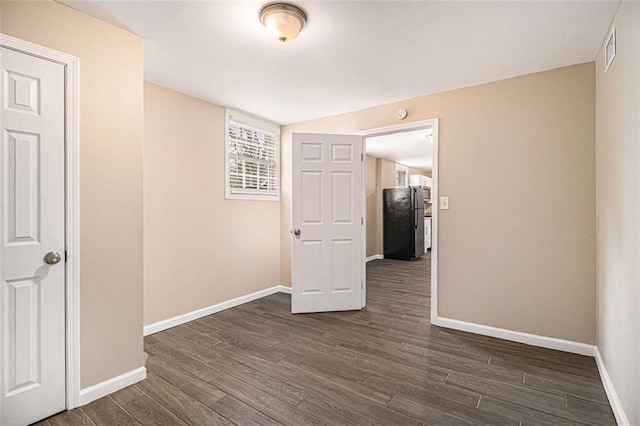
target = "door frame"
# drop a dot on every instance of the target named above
(72, 212)
(399, 128)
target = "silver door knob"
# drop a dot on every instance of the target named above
(52, 257)
(296, 232)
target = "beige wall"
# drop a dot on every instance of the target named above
(618, 210)
(200, 249)
(111, 144)
(517, 246)
(380, 175)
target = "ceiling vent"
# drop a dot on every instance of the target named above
(610, 49)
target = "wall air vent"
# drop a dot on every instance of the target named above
(610, 49)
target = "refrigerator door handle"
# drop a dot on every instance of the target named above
(415, 207)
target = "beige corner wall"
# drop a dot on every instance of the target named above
(111, 144)
(380, 175)
(372, 210)
(200, 249)
(413, 171)
(386, 178)
(618, 210)
(517, 160)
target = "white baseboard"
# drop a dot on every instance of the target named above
(114, 384)
(374, 257)
(616, 405)
(518, 336)
(190, 316)
(285, 289)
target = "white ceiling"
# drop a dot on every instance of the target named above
(354, 54)
(413, 149)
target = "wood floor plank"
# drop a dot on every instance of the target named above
(595, 391)
(198, 389)
(105, 411)
(464, 365)
(318, 364)
(179, 403)
(149, 412)
(424, 414)
(332, 413)
(186, 362)
(275, 387)
(265, 403)
(532, 398)
(421, 393)
(127, 394)
(354, 387)
(204, 339)
(242, 414)
(72, 417)
(517, 394)
(522, 413)
(601, 413)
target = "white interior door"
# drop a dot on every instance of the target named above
(328, 220)
(32, 299)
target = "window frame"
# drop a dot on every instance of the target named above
(401, 168)
(260, 124)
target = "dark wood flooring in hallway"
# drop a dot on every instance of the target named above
(257, 364)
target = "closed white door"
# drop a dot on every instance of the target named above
(327, 250)
(32, 359)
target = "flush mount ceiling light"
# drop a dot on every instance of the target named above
(283, 20)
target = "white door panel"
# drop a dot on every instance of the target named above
(32, 298)
(328, 254)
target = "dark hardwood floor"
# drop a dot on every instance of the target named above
(257, 364)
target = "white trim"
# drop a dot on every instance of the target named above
(251, 120)
(434, 124)
(72, 214)
(363, 232)
(616, 405)
(397, 128)
(517, 336)
(374, 257)
(112, 385)
(194, 315)
(284, 289)
(435, 217)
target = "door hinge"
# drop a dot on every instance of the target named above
(65, 255)
(362, 156)
(362, 221)
(361, 285)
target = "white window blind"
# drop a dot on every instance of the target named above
(252, 161)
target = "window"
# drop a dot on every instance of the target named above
(253, 158)
(402, 176)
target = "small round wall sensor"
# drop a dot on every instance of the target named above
(402, 114)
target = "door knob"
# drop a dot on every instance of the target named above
(296, 232)
(52, 257)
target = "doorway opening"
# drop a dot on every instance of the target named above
(401, 193)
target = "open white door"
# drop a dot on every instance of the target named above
(328, 223)
(32, 234)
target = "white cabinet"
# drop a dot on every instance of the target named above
(427, 234)
(419, 180)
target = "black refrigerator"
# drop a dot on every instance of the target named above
(403, 222)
